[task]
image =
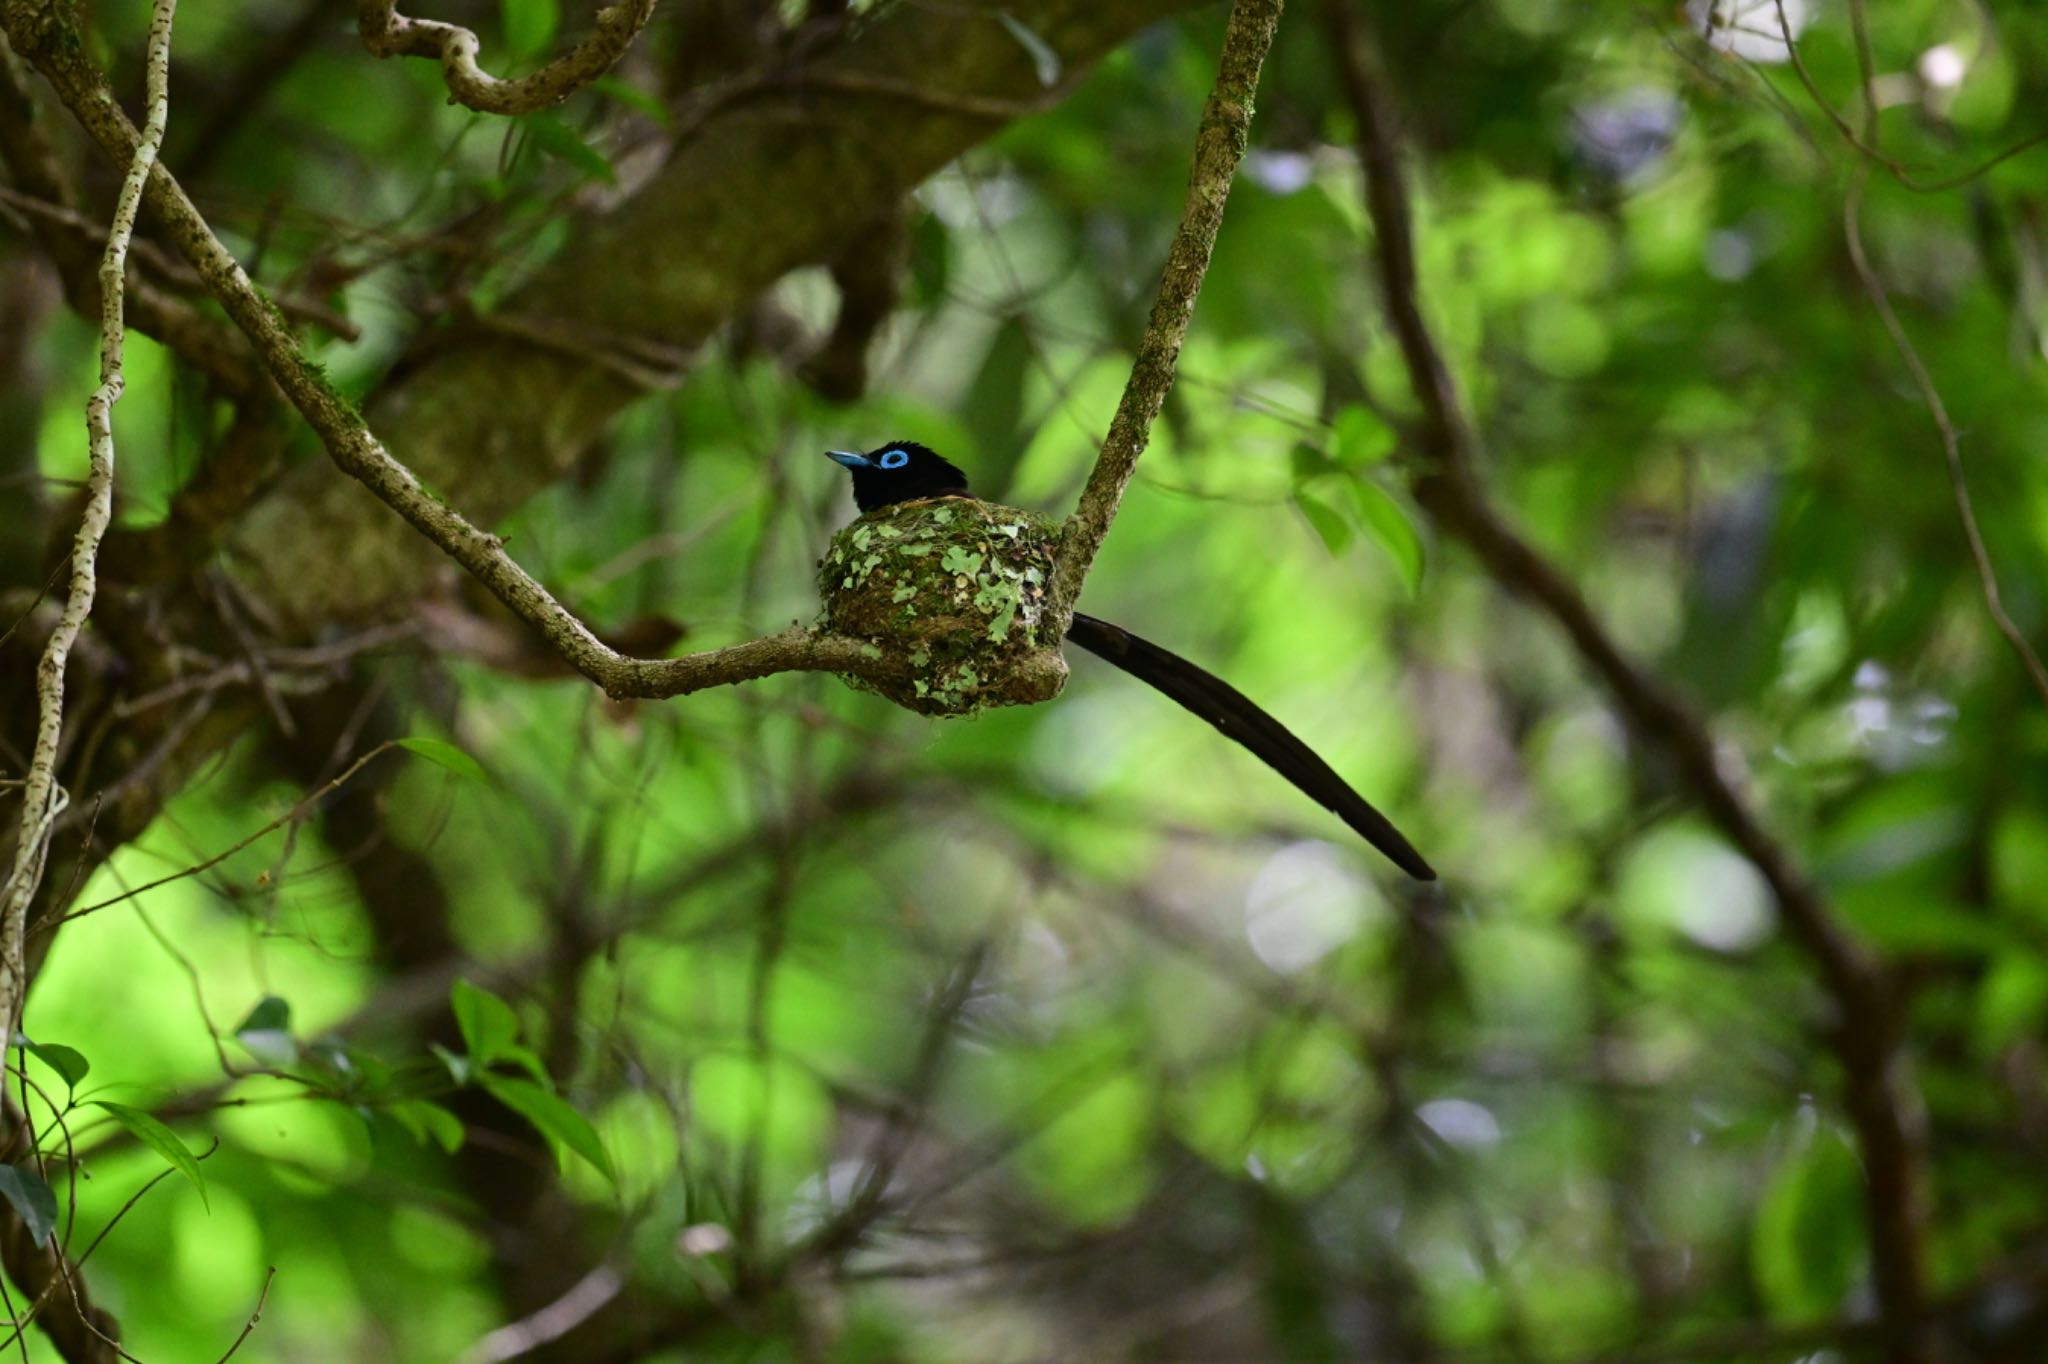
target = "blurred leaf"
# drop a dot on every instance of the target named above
(553, 1117)
(1359, 439)
(460, 1068)
(267, 1032)
(158, 1138)
(1043, 58)
(446, 755)
(994, 410)
(565, 144)
(634, 98)
(1328, 522)
(1306, 461)
(1808, 1245)
(1390, 526)
(488, 1024)
(429, 1122)
(530, 25)
(33, 1201)
(931, 260)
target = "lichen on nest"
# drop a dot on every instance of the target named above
(957, 586)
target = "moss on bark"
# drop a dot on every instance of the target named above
(958, 587)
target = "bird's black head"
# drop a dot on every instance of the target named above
(900, 471)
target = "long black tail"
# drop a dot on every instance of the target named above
(1227, 708)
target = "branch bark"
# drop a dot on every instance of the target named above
(387, 33)
(42, 799)
(1219, 146)
(1883, 1104)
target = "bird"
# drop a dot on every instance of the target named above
(905, 471)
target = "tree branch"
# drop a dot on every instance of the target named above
(355, 448)
(1883, 1105)
(387, 33)
(759, 187)
(1219, 146)
(42, 799)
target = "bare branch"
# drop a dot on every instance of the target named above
(1219, 146)
(42, 800)
(1883, 1105)
(387, 33)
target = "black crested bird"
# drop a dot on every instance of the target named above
(904, 471)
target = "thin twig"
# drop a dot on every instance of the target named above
(298, 810)
(269, 1276)
(1219, 146)
(42, 799)
(1880, 298)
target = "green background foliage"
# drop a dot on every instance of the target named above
(819, 1030)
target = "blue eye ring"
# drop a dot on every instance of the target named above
(895, 459)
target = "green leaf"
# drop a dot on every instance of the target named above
(1807, 1248)
(1305, 462)
(160, 1139)
(1358, 438)
(267, 1032)
(1043, 59)
(32, 1199)
(1328, 522)
(488, 1024)
(530, 25)
(429, 1122)
(564, 143)
(1387, 521)
(522, 1057)
(68, 1062)
(633, 97)
(460, 1069)
(553, 1117)
(446, 755)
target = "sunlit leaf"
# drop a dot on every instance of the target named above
(68, 1062)
(446, 755)
(553, 1117)
(1359, 438)
(1392, 529)
(158, 1138)
(1327, 521)
(488, 1024)
(429, 1122)
(1808, 1245)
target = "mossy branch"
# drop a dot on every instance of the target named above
(352, 445)
(42, 800)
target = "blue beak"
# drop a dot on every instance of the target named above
(850, 459)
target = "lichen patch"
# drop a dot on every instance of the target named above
(957, 586)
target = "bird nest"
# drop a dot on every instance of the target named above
(957, 588)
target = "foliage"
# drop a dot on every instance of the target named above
(778, 1022)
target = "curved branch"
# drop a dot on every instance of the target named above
(42, 800)
(387, 33)
(361, 455)
(1219, 146)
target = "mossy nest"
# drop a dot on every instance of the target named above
(957, 586)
